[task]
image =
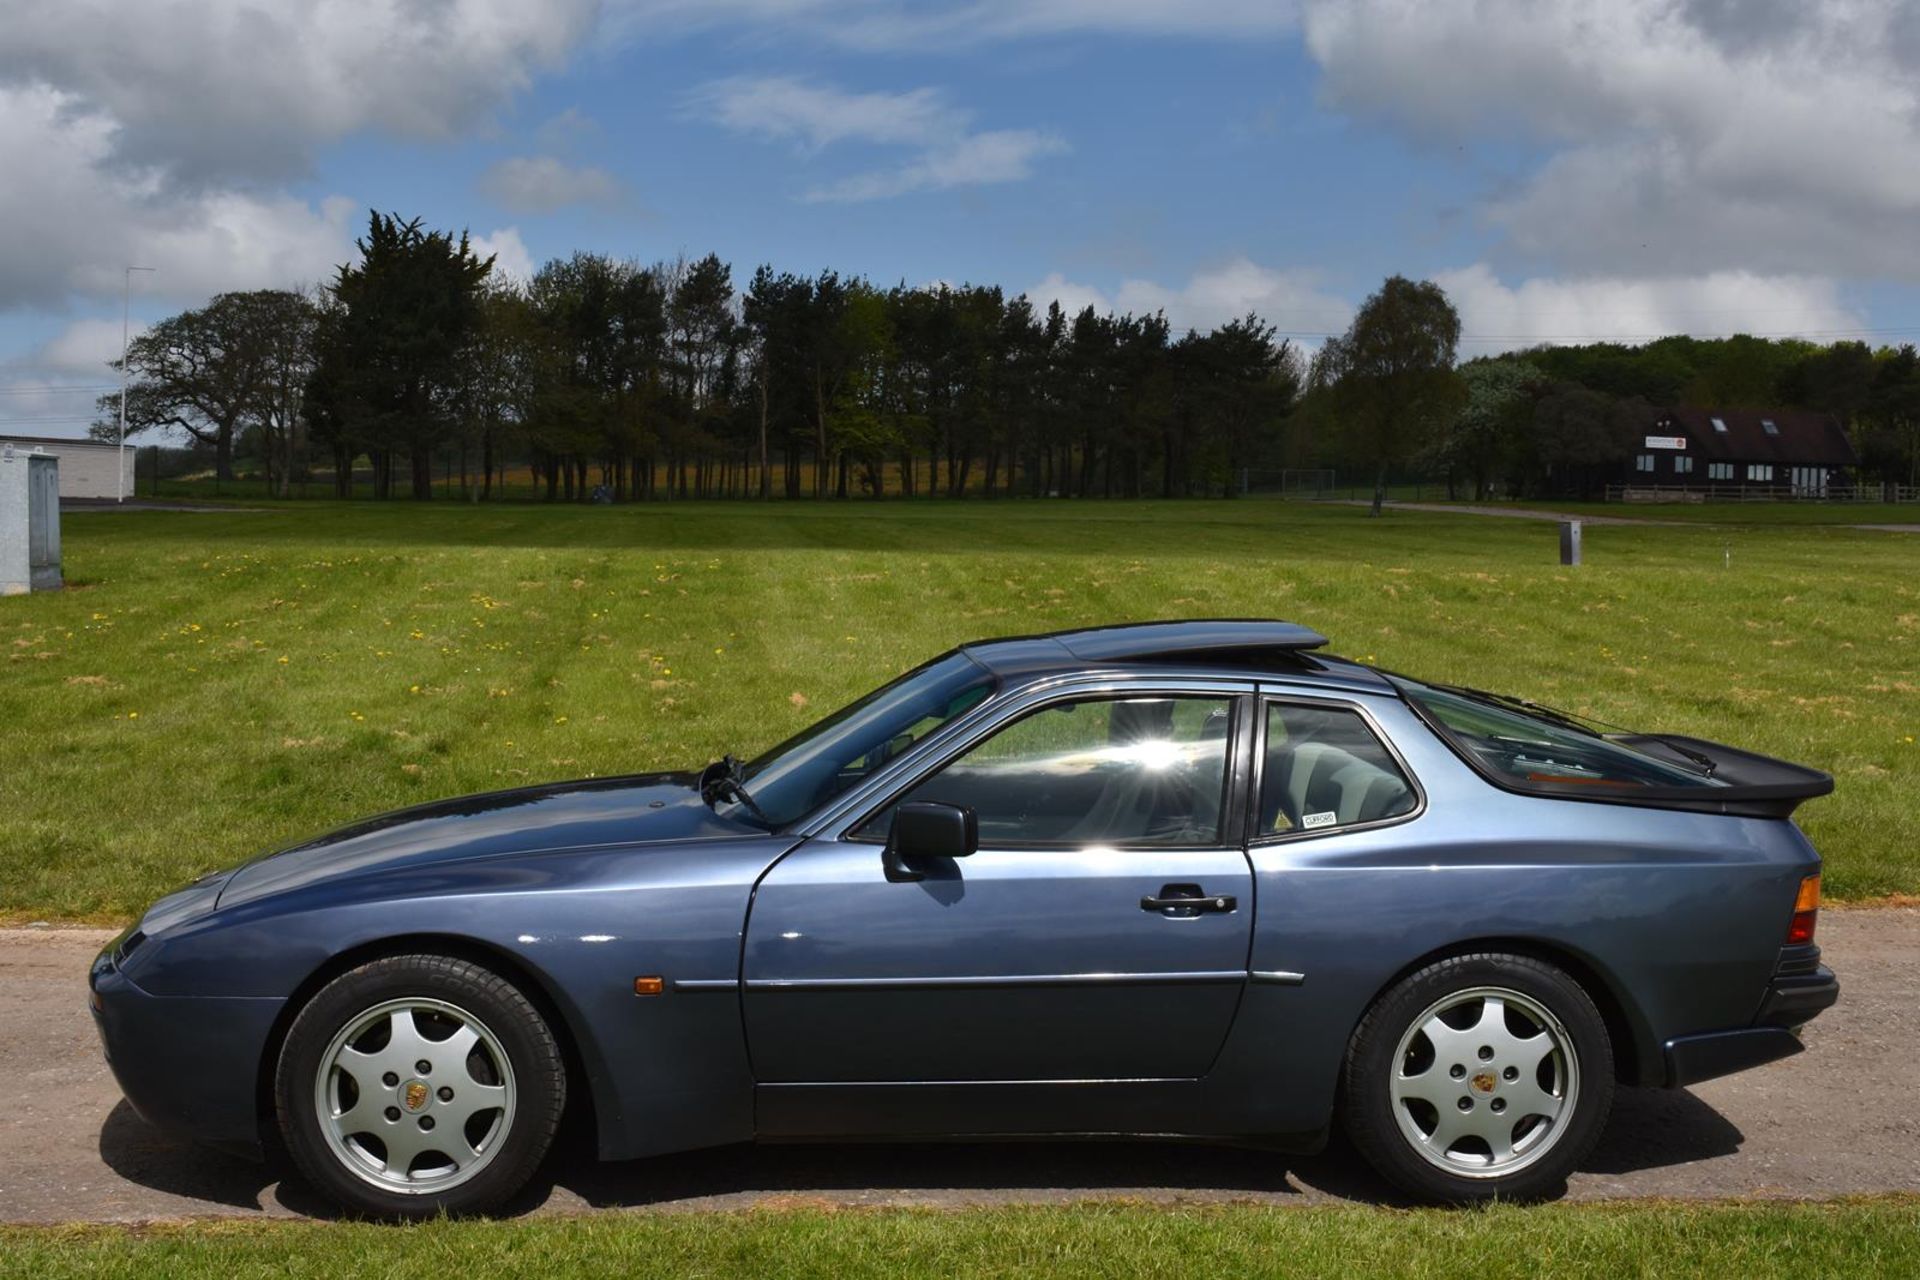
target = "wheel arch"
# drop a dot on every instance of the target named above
(584, 1085)
(1636, 1055)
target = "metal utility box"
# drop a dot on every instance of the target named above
(1569, 542)
(29, 521)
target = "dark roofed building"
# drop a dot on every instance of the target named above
(1794, 451)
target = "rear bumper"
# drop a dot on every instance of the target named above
(189, 1065)
(1791, 1001)
(1799, 998)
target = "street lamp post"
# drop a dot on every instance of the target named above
(126, 315)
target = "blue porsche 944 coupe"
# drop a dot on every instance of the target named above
(1186, 878)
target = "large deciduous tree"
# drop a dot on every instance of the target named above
(215, 371)
(1391, 374)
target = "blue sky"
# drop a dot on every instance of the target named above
(1567, 169)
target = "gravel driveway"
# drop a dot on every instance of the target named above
(1841, 1118)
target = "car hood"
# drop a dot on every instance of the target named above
(634, 809)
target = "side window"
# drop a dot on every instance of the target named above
(1324, 768)
(1134, 771)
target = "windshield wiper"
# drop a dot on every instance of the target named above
(722, 780)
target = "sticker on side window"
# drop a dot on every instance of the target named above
(1312, 820)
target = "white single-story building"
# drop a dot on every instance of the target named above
(88, 468)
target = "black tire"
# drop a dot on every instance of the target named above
(1374, 1118)
(517, 1139)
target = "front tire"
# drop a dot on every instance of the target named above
(1479, 1077)
(419, 1084)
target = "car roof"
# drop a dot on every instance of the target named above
(1240, 647)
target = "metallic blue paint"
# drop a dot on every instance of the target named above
(1013, 991)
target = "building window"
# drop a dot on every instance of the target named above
(1759, 471)
(1719, 471)
(1720, 425)
(1810, 480)
(1643, 462)
(1767, 425)
(1682, 464)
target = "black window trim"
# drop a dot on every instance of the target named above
(1268, 698)
(1233, 819)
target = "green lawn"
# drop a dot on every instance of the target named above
(217, 683)
(1753, 1240)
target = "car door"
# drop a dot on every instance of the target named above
(1062, 949)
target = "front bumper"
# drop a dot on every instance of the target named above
(188, 1064)
(1801, 990)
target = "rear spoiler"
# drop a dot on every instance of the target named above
(1757, 786)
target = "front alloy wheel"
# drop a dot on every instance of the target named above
(417, 1084)
(415, 1096)
(1480, 1076)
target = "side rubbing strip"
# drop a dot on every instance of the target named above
(1199, 977)
(1279, 977)
(705, 984)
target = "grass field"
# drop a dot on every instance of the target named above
(1753, 1240)
(215, 683)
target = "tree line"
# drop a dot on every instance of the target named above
(628, 381)
(615, 380)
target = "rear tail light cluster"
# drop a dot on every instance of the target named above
(1806, 910)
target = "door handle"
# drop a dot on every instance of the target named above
(1188, 899)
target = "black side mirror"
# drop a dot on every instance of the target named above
(923, 830)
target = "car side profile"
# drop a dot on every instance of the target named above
(1188, 878)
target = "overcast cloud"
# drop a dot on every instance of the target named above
(1683, 138)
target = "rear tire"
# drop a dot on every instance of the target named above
(417, 1085)
(1479, 1077)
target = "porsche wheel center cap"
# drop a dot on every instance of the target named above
(414, 1095)
(1484, 1082)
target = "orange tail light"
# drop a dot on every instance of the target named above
(1806, 910)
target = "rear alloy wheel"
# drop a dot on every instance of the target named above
(419, 1084)
(1479, 1077)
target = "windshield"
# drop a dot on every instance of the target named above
(1540, 752)
(822, 761)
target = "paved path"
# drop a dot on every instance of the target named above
(1537, 513)
(1839, 1119)
(1510, 513)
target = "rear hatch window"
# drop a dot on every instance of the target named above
(1538, 751)
(1521, 746)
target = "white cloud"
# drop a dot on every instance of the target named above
(84, 217)
(509, 252)
(542, 184)
(819, 115)
(1495, 316)
(1682, 136)
(949, 154)
(877, 25)
(164, 133)
(979, 159)
(213, 91)
(86, 347)
(1293, 301)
